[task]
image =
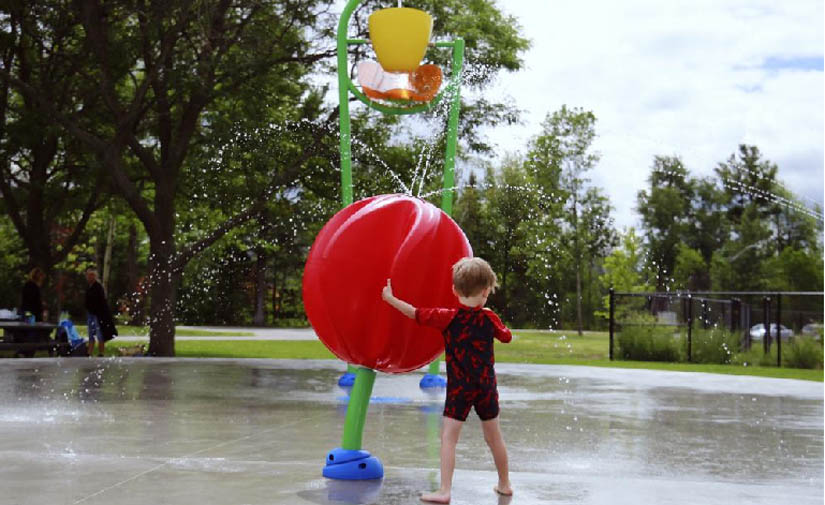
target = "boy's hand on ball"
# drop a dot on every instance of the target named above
(386, 294)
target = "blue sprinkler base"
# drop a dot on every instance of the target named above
(432, 381)
(347, 380)
(346, 464)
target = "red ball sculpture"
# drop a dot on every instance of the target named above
(397, 237)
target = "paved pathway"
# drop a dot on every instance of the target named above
(236, 333)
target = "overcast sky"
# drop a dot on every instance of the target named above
(689, 78)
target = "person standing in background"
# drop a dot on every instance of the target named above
(31, 301)
(99, 318)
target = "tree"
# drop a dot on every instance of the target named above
(50, 185)
(766, 223)
(568, 136)
(510, 212)
(624, 269)
(749, 181)
(665, 209)
(708, 228)
(690, 268)
(11, 265)
(161, 70)
(472, 216)
(739, 264)
(599, 237)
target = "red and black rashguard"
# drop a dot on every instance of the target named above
(468, 344)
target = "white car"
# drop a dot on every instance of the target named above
(758, 331)
(812, 330)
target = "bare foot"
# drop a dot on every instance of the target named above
(504, 490)
(437, 497)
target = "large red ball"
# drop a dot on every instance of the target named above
(394, 237)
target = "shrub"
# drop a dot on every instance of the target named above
(755, 357)
(803, 352)
(714, 345)
(641, 340)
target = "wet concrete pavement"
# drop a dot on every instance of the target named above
(176, 431)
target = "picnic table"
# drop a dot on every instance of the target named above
(28, 338)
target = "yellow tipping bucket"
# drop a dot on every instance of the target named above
(400, 36)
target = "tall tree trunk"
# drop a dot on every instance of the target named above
(577, 253)
(163, 296)
(260, 289)
(578, 299)
(589, 284)
(162, 276)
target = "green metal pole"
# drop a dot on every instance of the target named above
(364, 378)
(359, 400)
(452, 140)
(345, 142)
(452, 128)
(343, 104)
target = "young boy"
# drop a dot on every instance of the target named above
(471, 380)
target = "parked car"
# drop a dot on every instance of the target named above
(812, 330)
(758, 331)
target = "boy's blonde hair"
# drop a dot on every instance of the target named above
(471, 276)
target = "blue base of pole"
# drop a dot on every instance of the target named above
(347, 380)
(346, 464)
(432, 381)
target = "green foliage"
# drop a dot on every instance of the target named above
(803, 352)
(713, 345)
(690, 267)
(665, 209)
(624, 267)
(731, 232)
(755, 356)
(12, 266)
(624, 271)
(640, 339)
(795, 270)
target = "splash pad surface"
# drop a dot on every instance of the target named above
(136, 431)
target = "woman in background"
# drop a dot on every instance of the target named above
(31, 301)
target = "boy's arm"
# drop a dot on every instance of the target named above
(501, 332)
(402, 306)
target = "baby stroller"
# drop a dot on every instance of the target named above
(67, 332)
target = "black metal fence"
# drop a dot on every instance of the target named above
(782, 315)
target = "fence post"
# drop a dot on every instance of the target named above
(766, 320)
(690, 325)
(611, 305)
(778, 330)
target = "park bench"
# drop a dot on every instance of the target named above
(27, 338)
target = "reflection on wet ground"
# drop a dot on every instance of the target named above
(138, 431)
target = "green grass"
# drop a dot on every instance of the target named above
(531, 347)
(275, 349)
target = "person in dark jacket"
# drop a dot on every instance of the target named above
(31, 300)
(99, 317)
